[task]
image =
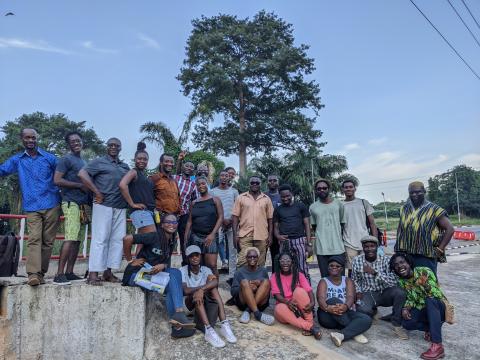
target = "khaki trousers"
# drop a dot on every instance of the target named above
(42, 230)
(246, 242)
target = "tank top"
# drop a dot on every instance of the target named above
(141, 190)
(337, 291)
(204, 216)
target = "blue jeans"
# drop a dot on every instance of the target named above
(430, 318)
(221, 246)
(173, 291)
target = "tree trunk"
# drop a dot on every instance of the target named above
(242, 147)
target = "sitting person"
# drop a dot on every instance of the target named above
(424, 309)
(251, 289)
(335, 295)
(156, 250)
(376, 285)
(294, 295)
(200, 288)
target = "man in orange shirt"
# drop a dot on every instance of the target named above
(167, 198)
(252, 222)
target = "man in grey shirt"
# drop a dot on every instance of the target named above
(102, 176)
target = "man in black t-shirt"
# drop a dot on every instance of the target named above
(291, 222)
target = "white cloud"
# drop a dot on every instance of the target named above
(39, 45)
(377, 141)
(472, 160)
(90, 46)
(148, 41)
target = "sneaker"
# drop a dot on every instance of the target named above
(179, 319)
(180, 332)
(226, 332)
(337, 338)
(33, 280)
(225, 265)
(267, 319)
(230, 281)
(361, 339)
(73, 277)
(245, 318)
(400, 332)
(212, 337)
(61, 279)
(42, 280)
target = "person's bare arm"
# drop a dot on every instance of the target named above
(276, 232)
(188, 228)
(235, 230)
(212, 283)
(59, 180)
(87, 181)
(123, 185)
(445, 225)
(127, 251)
(270, 232)
(322, 295)
(373, 226)
(211, 237)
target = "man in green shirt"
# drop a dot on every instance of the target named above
(328, 219)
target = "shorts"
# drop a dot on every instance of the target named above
(199, 240)
(71, 211)
(349, 255)
(243, 307)
(142, 218)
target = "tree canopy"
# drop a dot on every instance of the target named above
(250, 73)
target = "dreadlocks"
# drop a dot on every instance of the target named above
(295, 268)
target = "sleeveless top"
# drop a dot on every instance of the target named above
(337, 291)
(141, 190)
(204, 216)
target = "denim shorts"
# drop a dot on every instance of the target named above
(199, 240)
(142, 218)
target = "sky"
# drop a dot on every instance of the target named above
(399, 104)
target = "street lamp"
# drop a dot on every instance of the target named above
(385, 210)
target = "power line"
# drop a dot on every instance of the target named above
(448, 43)
(473, 17)
(464, 23)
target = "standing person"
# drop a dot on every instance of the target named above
(137, 190)
(291, 221)
(40, 201)
(155, 251)
(358, 220)
(203, 223)
(274, 195)
(328, 220)
(376, 285)
(227, 196)
(294, 295)
(200, 288)
(102, 176)
(232, 173)
(252, 223)
(424, 230)
(75, 195)
(424, 309)
(167, 198)
(336, 295)
(187, 190)
(251, 289)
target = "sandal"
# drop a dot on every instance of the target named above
(95, 282)
(314, 331)
(112, 279)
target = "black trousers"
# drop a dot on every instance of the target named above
(393, 296)
(182, 224)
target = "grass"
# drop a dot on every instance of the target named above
(393, 222)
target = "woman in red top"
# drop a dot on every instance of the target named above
(294, 295)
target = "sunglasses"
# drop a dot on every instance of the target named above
(170, 222)
(252, 256)
(322, 188)
(254, 183)
(272, 180)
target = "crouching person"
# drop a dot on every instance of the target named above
(251, 289)
(156, 250)
(202, 296)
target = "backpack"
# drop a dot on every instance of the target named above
(9, 255)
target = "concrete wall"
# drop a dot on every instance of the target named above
(71, 322)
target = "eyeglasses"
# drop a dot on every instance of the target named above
(170, 222)
(114, 145)
(322, 188)
(252, 256)
(272, 180)
(254, 183)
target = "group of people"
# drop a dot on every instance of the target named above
(210, 220)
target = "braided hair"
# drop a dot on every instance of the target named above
(286, 251)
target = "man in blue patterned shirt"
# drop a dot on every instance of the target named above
(40, 200)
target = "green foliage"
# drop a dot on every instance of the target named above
(441, 190)
(249, 72)
(159, 134)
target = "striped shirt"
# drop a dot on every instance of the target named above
(366, 282)
(227, 197)
(187, 190)
(418, 232)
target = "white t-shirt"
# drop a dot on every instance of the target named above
(195, 280)
(356, 222)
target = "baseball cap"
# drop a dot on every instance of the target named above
(192, 249)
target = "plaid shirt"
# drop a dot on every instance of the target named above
(366, 282)
(187, 190)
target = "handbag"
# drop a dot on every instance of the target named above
(84, 215)
(449, 311)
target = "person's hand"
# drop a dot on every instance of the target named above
(256, 282)
(253, 286)
(331, 309)
(181, 155)
(308, 308)
(209, 239)
(269, 241)
(406, 314)
(84, 189)
(138, 262)
(282, 238)
(98, 198)
(156, 269)
(342, 308)
(139, 206)
(368, 269)
(358, 296)
(198, 297)
(211, 278)
(292, 305)
(227, 223)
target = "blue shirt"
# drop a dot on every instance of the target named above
(36, 179)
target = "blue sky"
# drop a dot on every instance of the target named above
(399, 103)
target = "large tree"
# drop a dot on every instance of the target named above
(250, 73)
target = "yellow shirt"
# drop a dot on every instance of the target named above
(253, 215)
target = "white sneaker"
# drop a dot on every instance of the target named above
(245, 318)
(227, 333)
(267, 319)
(212, 337)
(361, 339)
(337, 338)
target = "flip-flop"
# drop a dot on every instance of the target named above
(94, 282)
(178, 324)
(316, 332)
(112, 279)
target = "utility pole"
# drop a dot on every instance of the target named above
(458, 202)
(385, 210)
